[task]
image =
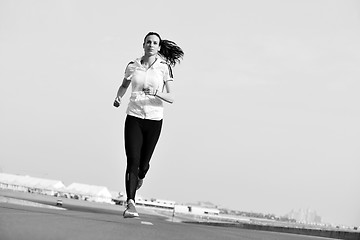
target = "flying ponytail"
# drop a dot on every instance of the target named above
(171, 52)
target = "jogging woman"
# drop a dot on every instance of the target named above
(151, 80)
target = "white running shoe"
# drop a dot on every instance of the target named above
(130, 211)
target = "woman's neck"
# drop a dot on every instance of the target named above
(147, 61)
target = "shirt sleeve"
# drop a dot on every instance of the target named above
(168, 75)
(129, 71)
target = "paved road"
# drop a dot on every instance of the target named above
(79, 222)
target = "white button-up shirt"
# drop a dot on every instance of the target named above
(141, 105)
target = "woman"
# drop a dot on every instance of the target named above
(151, 80)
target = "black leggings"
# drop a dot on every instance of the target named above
(141, 136)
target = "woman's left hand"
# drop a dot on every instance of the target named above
(150, 91)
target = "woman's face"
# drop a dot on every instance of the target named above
(151, 45)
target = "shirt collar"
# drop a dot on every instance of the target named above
(157, 61)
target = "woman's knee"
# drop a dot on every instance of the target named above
(133, 165)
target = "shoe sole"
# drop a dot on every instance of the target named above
(130, 215)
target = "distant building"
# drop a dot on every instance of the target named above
(90, 192)
(54, 188)
(153, 202)
(200, 208)
(304, 216)
(30, 184)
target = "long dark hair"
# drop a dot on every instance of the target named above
(171, 52)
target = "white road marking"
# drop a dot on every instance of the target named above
(146, 223)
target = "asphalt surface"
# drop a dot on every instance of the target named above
(84, 221)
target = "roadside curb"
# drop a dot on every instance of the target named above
(27, 203)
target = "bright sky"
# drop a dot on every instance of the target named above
(266, 117)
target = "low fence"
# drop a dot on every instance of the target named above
(346, 235)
